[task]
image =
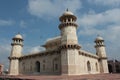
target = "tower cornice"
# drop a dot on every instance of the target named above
(13, 58)
(17, 38)
(16, 44)
(70, 46)
(101, 58)
(68, 16)
(67, 25)
(99, 46)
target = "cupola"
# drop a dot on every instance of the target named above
(67, 16)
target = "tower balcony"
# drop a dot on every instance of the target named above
(67, 24)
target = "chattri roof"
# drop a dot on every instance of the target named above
(18, 36)
(67, 12)
(99, 38)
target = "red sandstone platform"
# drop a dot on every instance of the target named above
(59, 77)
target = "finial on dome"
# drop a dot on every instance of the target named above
(18, 32)
(67, 9)
(67, 12)
(98, 35)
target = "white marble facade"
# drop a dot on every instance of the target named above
(62, 56)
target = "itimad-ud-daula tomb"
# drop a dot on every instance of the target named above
(62, 55)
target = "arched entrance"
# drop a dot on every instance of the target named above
(110, 68)
(88, 66)
(96, 66)
(55, 64)
(117, 69)
(37, 66)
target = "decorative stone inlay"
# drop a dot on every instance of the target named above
(67, 25)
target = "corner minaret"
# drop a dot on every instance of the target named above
(100, 47)
(101, 53)
(69, 43)
(16, 51)
(68, 28)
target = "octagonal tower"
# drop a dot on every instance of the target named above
(69, 43)
(16, 51)
(101, 53)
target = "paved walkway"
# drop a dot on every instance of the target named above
(81, 77)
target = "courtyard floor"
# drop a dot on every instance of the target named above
(51, 77)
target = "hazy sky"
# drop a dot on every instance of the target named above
(38, 20)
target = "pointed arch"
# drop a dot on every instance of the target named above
(55, 64)
(96, 65)
(88, 66)
(110, 68)
(37, 64)
(23, 66)
(117, 68)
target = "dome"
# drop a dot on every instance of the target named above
(52, 40)
(18, 36)
(99, 38)
(68, 13)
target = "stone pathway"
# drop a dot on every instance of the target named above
(57, 77)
